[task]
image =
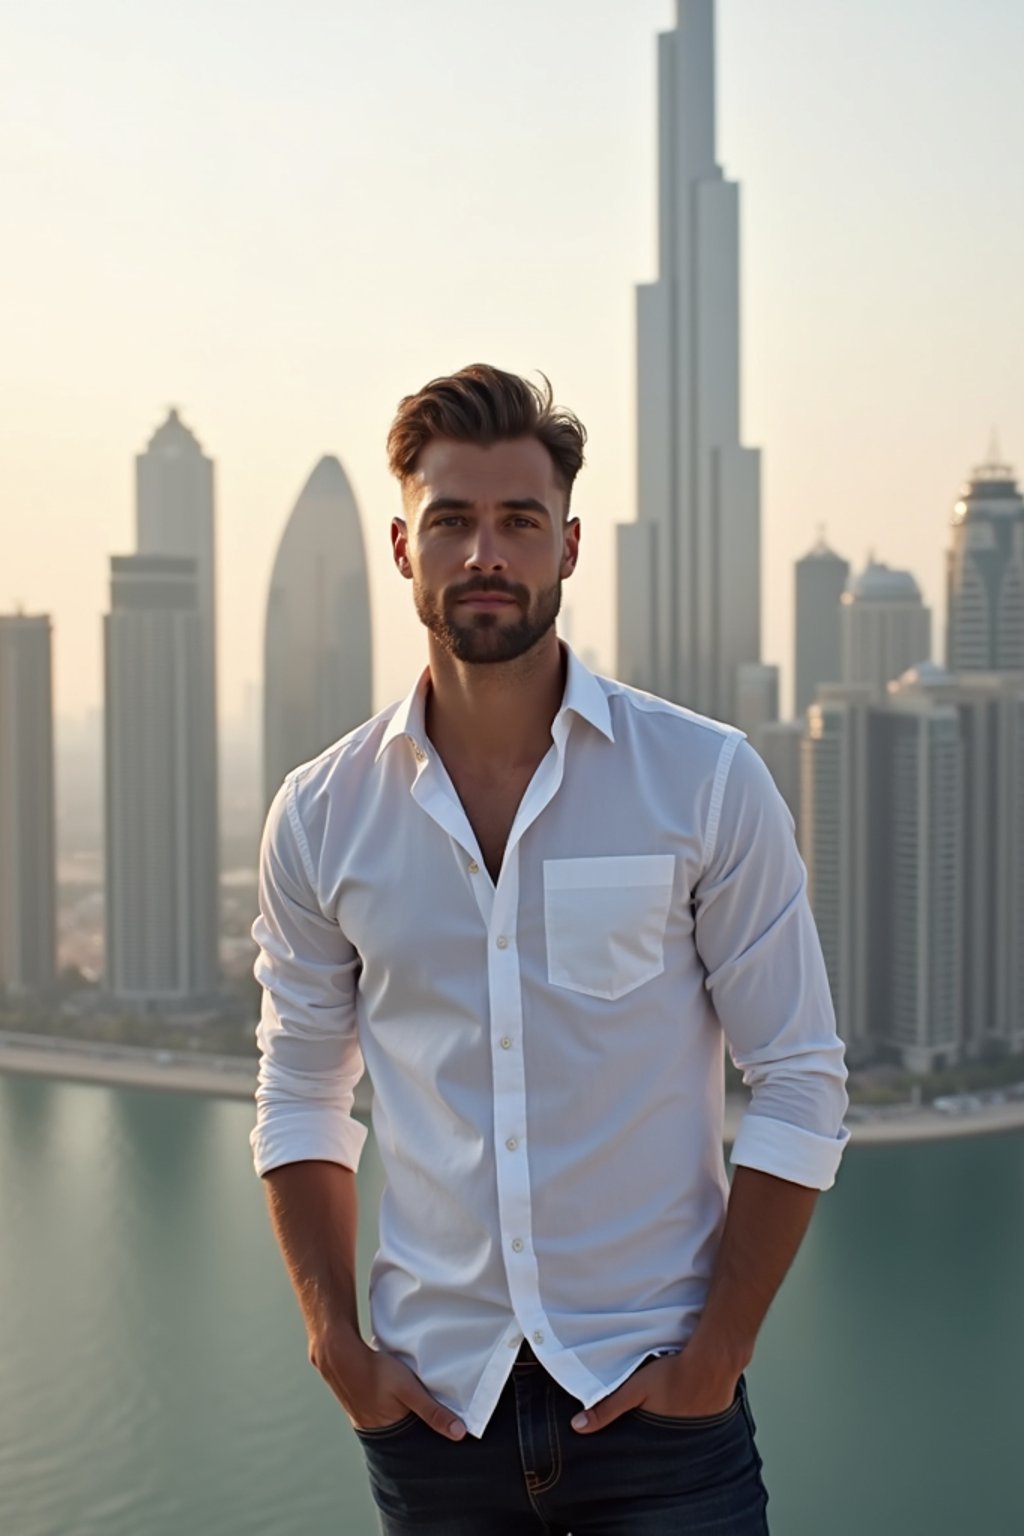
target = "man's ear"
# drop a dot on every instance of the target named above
(400, 547)
(570, 546)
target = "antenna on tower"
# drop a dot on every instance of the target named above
(993, 449)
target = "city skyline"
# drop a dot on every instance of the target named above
(851, 288)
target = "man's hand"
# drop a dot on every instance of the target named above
(684, 1386)
(375, 1389)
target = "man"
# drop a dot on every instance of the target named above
(534, 900)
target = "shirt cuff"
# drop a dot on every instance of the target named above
(788, 1151)
(327, 1138)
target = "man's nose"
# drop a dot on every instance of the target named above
(485, 553)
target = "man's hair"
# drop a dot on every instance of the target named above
(482, 404)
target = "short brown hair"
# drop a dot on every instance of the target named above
(482, 404)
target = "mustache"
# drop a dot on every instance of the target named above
(513, 590)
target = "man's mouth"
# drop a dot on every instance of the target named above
(487, 600)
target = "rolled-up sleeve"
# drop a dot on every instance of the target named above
(766, 976)
(310, 1061)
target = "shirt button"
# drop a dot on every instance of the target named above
(506, 1043)
(512, 1144)
(517, 1245)
(502, 942)
(474, 867)
(420, 755)
(538, 1337)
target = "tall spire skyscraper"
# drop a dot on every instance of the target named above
(317, 652)
(162, 847)
(174, 512)
(689, 569)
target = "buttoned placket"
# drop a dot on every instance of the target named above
(499, 907)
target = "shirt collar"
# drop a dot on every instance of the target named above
(409, 718)
(583, 696)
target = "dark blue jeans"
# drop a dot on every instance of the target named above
(530, 1473)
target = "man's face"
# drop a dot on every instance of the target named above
(486, 545)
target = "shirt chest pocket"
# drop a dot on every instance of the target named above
(605, 919)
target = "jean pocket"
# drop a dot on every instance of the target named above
(387, 1430)
(605, 919)
(704, 1421)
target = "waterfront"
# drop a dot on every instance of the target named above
(234, 1077)
(154, 1360)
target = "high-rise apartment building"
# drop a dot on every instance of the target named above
(757, 699)
(884, 627)
(835, 841)
(985, 575)
(318, 670)
(781, 745)
(882, 812)
(27, 842)
(689, 569)
(990, 713)
(162, 909)
(820, 581)
(916, 911)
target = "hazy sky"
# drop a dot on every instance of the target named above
(282, 218)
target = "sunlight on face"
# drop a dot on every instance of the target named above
(487, 546)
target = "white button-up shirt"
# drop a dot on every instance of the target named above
(546, 1052)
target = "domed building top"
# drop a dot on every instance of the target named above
(172, 437)
(878, 583)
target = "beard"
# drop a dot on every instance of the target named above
(488, 637)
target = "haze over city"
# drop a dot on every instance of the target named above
(771, 255)
(281, 224)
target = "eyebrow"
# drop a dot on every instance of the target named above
(511, 504)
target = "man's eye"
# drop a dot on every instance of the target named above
(524, 522)
(451, 521)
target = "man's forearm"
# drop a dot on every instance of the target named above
(764, 1227)
(314, 1210)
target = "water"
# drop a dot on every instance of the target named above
(153, 1361)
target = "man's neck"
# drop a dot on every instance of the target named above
(495, 716)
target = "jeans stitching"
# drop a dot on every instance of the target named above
(556, 1448)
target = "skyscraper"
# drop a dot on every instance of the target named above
(689, 571)
(317, 650)
(175, 516)
(757, 699)
(881, 810)
(985, 575)
(781, 746)
(915, 956)
(162, 921)
(821, 578)
(27, 842)
(884, 627)
(835, 843)
(990, 713)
